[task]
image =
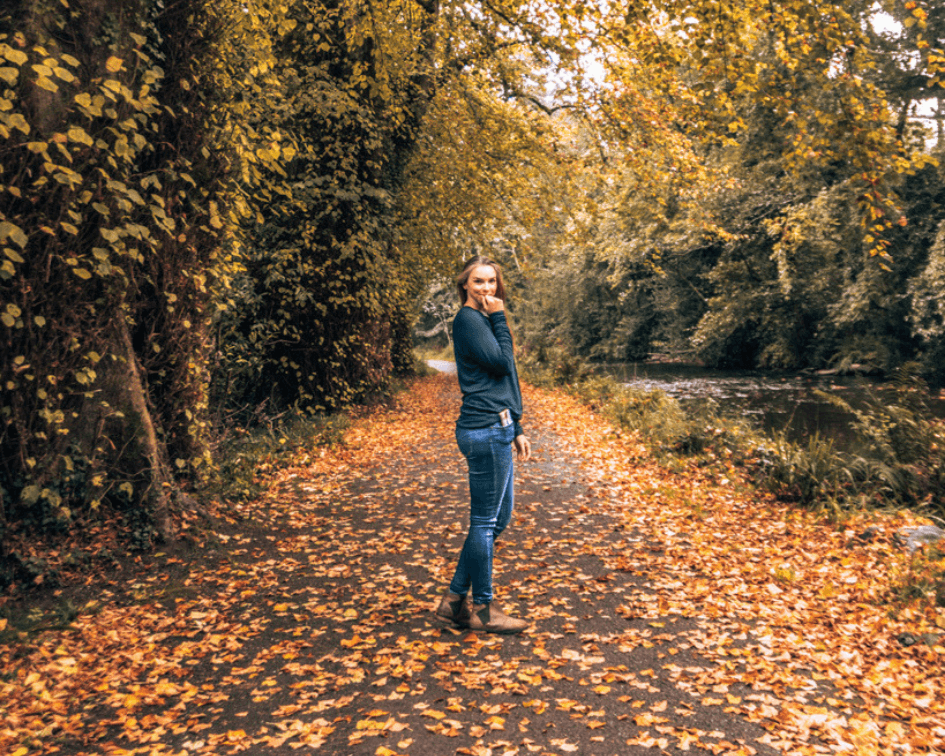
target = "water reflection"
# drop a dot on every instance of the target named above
(785, 403)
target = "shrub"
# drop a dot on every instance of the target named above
(248, 458)
(900, 459)
(550, 363)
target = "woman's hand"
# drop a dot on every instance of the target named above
(490, 304)
(522, 446)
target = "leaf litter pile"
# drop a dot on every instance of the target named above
(672, 612)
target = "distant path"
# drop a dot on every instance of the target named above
(444, 366)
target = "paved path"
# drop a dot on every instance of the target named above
(351, 654)
(444, 366)
(308, 626)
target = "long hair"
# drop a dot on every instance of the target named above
(463, 277)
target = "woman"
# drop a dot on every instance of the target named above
(487, 429)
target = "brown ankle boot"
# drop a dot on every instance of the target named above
(454, 608)
(488, 618)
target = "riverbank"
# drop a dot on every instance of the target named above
(796, 405)
(676, 610)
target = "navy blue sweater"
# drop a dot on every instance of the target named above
(486, 368)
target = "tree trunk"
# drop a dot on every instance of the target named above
(162, 484)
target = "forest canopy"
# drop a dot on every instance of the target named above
(218, 211)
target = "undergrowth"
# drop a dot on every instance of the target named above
(667, 428)
(246, 458)
(900, 463)
(921, 578)
(421, 355)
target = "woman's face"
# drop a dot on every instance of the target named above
(482, 282)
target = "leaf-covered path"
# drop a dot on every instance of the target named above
(671, 612)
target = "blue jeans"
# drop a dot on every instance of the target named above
(488, 453)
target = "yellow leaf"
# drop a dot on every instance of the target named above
(11, 231)
(17, 121)
(48, 84)
(14, 56)
(113, 64)
(78, 134)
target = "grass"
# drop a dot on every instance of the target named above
(443, 353)
(922, 578)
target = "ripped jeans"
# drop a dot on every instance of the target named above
(488, 453)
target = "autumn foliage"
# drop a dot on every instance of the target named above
(108, 223)
(217, 213)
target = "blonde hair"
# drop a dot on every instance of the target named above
(463, 277)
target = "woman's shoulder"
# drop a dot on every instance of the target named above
(468, 314)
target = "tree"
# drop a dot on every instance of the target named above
(762, 226)
(114, 183)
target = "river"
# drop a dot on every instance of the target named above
(775, 403)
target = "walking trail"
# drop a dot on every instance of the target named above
(672, 612)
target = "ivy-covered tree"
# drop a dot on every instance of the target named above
(114, 184)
